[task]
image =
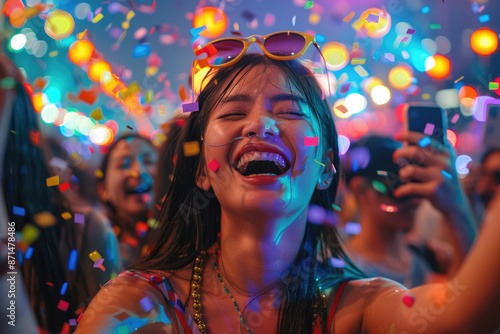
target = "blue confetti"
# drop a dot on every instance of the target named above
(73, 259)
(376, 55)
(29, 253)
(426, 141)
(320, 38)
(425, 10)
(20, 257)
(484, 18)
(18, 211)
(196, 31)
(141, 50)
(446, 174)
(146, 304)
(64, 287)
(352, 228)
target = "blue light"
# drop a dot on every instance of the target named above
(66, 132)
(418, 57)
(425, 10)
(53, 94)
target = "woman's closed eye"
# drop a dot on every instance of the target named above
(296, 113)
(233, 114)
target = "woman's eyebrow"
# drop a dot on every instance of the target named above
(237, 97)
(288, 97)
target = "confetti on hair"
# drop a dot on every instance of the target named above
(7, 83)
(64, 287)
(213, 165)
(379, 186)
(28, 253)
(98, 173)
(63, 305)
(98, 262)
(66, 215)
(322, 164)
(191, 148)
(129, 127)
(337, 263)
(190, 107)
(408, 298)
(382, 173)
(18, 211)
(141, 228)
(94, 256)
(64, 186)
(388, 208)
(311, 141)
(72, 260)
(79, 218)
(53, 181)
(336, 207)
(352, 228)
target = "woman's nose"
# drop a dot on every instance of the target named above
(263, 127)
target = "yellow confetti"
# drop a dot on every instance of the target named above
(459, 79)
(30, 233)
(53, 181)
(361, 71)
(82, 34)
(162, 110)
(66, 215)
(130, 15)
(319, 163)
(151, 70)
(125, 25)
(97, 18)
(53, 53)
(149, 95)
(97, 114)
(44, 219)
(236, 26)
(191, 148)
(95, 256)
(358, 61)
(426, 96)
(355, 46)
(98, 173)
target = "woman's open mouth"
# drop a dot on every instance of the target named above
(255, 163)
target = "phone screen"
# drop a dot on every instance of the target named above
(492, 127)
(428, 120)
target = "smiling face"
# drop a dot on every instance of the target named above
(128, 182)
(269, 172)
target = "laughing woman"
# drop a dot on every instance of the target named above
(235, 252)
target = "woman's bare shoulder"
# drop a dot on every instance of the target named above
(127, 302)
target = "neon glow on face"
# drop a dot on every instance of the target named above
(263, 108)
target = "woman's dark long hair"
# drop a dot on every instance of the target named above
(190, 218)
(24, 185)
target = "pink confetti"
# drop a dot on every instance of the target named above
(408, 299)
(311, 141)
(405, 39)
(429, 129)
(98, 262)
(63, 305)
(213, 165)
(455, 118)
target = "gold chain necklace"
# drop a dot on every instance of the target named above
(319, 306)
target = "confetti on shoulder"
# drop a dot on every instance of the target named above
(311, 141)
(190, 107)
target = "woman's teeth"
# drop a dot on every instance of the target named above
(248, 157)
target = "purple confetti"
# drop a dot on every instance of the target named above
(345, 87)
(410, 31)
(190, 107)
(405, 39)
(389, 56)
(352, 228)
(455, 118)
(98, 262)
(79, 218)
(372, 18)
(146, 304)
(429, 129)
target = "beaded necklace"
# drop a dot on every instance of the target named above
(319, 306)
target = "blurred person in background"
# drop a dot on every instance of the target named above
(382, 247)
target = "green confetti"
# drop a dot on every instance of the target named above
(493, 85)
(7, 83)
(435, 26)
(379, 186)
(308, 5)
(336, 207)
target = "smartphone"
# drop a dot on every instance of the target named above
(428, 119)
(491, 135)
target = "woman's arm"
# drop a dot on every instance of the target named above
(128, 304)
(468, 303)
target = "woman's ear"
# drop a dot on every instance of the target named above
(325, 177)
(202, 180)
(101, 191)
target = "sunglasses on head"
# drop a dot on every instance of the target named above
(282, 45)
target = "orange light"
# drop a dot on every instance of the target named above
(400, 77)
(12, 5)
(39, 100)
(452, 137)
(467, 96)
(112, 85)
(484, 41)
(373, 28)
(80, 52)
(441, 68)
(98, 68)
(213, 19)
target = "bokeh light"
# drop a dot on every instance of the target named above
(17, 42)
(336, 55)
(213, 19)
(39, 100)
(437, 66)
(484, 41)
(374, 28)
(80, 52)
(97, 69)
(400, 77)
(101, 135)
(340, 110)
(380, 94)
(59, 24)
(49, 114)
(355, 103)
(462, 163)
(452, 137)
(467, 96)
(344, 144)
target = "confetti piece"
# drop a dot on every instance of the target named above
(429, 129)
(337, 263)
(213, 165)
(389, 57)
(320, 38)
(484, 18)
(152, 222)
(97, 18)
(72, 260)
(130, 15)
(424, 142)
(405, 39)
(29, 253)
(44, 219)
(129, 127)
(410, 31)
(66, 215)
(87, 96)
(311, 141)
(98, 173)
(182, 92)
(308, 5)
(293, 20)
(94, 256)
(122, 316)
(372, 18)
(446, 175)
(191, 148)
(455, 118)
(379, 186)
(376, 55)
(352, 228)
(408, 299)
(382, 173)
(342, 108)
(30, 233)
(97, 114)
(322, 164)
(72, 322)
(336, 207)
(18, 211)
(358, 61)
(197, 31)
(355, 46)
(64, 186)
(53, 181)
(64, 287)
(63, 305)
(79, 218)
(459, 79)
(7, 83)
(361, 71)
(349, 17)
(493, 85)
(98, 262)
(141, 228)
(141, 50)
(425, 10)
(146, 304)
(435, 26)
(190, 107)
(388, 208)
